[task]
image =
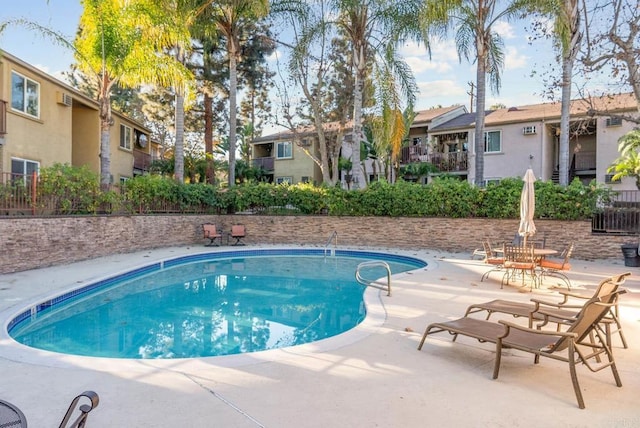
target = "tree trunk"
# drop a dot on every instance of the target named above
(569, 54)
(105, 135)
(356, 137)
(563, 161)
(480, 100)
(233, 85)
(208, 138)
(178, 151)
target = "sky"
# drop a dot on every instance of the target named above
(443, 80)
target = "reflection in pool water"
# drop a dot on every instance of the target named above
(209, 307)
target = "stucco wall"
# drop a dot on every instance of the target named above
(27, 243)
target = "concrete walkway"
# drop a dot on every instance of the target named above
(372, 376)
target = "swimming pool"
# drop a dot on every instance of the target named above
(207, 304)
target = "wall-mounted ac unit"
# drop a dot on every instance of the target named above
(64, 99)
(529, 130)
(608, 179)
(614, 121)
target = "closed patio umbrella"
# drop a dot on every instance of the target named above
(527, 206)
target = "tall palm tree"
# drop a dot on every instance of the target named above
(121, 42)
(472, 21)
(229, 17)
(568, 36)
(375, 28)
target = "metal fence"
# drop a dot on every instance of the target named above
(621, 215)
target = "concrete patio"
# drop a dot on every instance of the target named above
(370, 376)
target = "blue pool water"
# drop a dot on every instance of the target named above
(208, 305)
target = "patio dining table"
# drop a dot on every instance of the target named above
(11, 416)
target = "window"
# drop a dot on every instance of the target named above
(305, 179)
(125, 137)
(24, 167)
(492, 143)
(284, 150)
(25, 95)
(284, 180)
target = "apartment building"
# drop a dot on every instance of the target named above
(515, 138)
(44, 121)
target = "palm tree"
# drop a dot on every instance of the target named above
(473, 22)
(121, 42)
(628, 164)
(375, 28)
(229, 17)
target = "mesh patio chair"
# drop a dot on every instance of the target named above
(212, 234)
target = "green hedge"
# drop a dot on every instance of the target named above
(76, 191)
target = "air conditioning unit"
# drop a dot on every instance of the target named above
(529, 130)
(64, 99)
(608, 179)
(614, 121)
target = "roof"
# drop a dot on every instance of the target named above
(304, 131)
(551, 111)
(430, 114)
(464, 121)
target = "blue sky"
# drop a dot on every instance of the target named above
(443, 79)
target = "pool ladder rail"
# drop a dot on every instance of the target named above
(334, 237)
(84, 410)
(374, 284)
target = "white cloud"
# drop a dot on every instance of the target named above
(513, 59)
(504, 29)
(420, 65)
(440, 89)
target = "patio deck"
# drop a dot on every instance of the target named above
(371, 376)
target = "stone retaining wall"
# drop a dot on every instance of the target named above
(31, 242)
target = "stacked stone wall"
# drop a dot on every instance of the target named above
(31, 242)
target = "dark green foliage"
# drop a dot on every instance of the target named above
(68, 190)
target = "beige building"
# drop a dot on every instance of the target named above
(44, 121)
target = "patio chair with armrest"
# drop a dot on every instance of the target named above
(556, 267)
(238, 232)
(212, 234)
(563, 312)
(519, 259)
(492, 259)
(543, 342)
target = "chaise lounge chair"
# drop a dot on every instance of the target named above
(545, 343)
(560, 313)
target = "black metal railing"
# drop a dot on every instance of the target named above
(621, 215)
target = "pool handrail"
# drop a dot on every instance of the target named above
(373, 263)
(333, 236)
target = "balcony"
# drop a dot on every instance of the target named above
(412, 154)
(450, 162)
(264, 163)
(585, 161)
(141, 161)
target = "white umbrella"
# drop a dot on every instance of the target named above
(527, 206)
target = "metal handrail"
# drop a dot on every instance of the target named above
(374, 263)
(333, 236)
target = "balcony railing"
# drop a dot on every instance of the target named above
(141, 161)
(450, 162)
(412, 154)
(264, 163)
(585, 161)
